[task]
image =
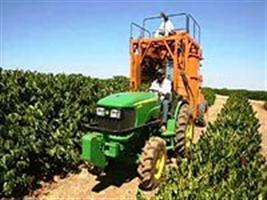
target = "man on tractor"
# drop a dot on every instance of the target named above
(166, 27)
(163, 87)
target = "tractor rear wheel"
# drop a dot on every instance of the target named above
(202, 118)
(152, 163)
(184, 130)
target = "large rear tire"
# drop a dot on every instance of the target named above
(152, 163)
(184, 131)
(202, 117)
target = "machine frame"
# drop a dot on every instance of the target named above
(136, 134)
(180, 47)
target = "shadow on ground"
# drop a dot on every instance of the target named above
(116, 175)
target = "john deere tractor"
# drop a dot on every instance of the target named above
(127, 126)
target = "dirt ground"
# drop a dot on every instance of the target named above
(261, 114)
(122, 183)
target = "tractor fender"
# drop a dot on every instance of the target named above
(171, 123)
(177, 108)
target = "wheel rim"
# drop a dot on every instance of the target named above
(189, 132)
(160, 165)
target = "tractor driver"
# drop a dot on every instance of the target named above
(162, 86)
(166, 28)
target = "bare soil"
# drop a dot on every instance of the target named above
(121, 182)
(261, 114)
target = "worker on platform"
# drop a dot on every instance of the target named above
(166, 28)
(162, 86)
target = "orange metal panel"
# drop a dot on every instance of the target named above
(186, 55)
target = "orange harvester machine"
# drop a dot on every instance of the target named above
(181, 49)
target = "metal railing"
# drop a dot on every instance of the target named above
(143, 30)
(189, 20)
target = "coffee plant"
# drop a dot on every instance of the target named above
(41, 123)
(209, 95)
(250, 94)
(225, 163)
(42, 118)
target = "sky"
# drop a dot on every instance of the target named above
(92, 37)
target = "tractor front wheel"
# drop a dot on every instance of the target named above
(152, 163)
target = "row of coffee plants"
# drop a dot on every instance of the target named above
(250, 94)
(225, 163)
(41, 123)
(209, 95)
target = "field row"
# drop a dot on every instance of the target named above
(41, 124)
(225, 163)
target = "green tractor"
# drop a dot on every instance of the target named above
(127, 126)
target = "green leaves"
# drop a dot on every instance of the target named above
(209, 95)
(256, 95)
(40, 120)
(225, 163)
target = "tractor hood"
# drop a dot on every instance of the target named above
(128, 99)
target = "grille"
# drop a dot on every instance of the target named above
(127, 121)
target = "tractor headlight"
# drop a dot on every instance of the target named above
(114, 113)
(100, 111)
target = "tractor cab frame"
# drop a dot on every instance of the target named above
(179, 54)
